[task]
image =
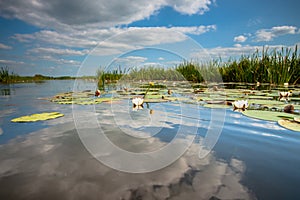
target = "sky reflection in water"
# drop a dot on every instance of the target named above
(252, 159)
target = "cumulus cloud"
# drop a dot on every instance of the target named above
(240, 38)
(265, 35)
(61, 14)
(56, 51)
(230, 52)
(90, 38)
(195, 30)
(3, 46)
(11, 62)
(110, 41)
(190, 6)
(130, 60)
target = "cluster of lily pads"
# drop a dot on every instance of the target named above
(86, 97)
(259, 104)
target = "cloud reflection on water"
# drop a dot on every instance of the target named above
(53, 164)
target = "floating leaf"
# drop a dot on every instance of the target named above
(155, 100)
(292, 125)
(268, 115)
(38, 117)
(265, 102)
(260, 97)
(216, 106)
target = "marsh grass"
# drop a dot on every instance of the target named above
(6, 76)
(276, 66)
(109, 77)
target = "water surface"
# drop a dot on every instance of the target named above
(253, 159)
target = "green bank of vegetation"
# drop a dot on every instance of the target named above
(7, 76)
(275, 66)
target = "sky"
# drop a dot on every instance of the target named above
(62, 37)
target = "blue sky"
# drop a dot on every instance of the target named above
(62, 37)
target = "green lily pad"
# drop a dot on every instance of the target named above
(265, 102)
(216, 106)
(295, 98)
(268, 115)
(288, 124)
(260, 97)
(176, 98)
(38, 117)
(155, 100)
(157, 96)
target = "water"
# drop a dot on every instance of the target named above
(252, 159)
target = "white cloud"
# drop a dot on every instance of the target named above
(56, 51)
(265, 35)
(130, 60)
(237, 45)
(80, 14)
(3, 46)
(195, 30)
(231, 52)
(190, 6)
(134, 36)
(11, 62)
(68, 62)
(240, 38)
(110, 41)
(76, 39)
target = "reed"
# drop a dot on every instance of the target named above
(6, 76)
(277, 66)
(111, 76)
(154, 73)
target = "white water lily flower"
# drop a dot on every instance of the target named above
(240, 104)
(137, 101)
(284, 94)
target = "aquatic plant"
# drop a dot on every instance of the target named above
(152, 73)
(6, 76)
(289, 124)
(38, 117)
(268, 115)
(240, 104)
(278, 66)
(109, 77)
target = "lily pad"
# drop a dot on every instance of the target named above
(260, 97)
(265, 102)
(268, 115)
(289, 124)
(38, 117)
(176, 98)
(155, 100)
(216, 106)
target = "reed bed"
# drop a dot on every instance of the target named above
(276, 66)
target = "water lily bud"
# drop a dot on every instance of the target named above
(97, 93)
(151, 83)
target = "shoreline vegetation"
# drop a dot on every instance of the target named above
(7, 77)
(275, 67)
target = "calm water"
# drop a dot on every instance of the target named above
(253, 159)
